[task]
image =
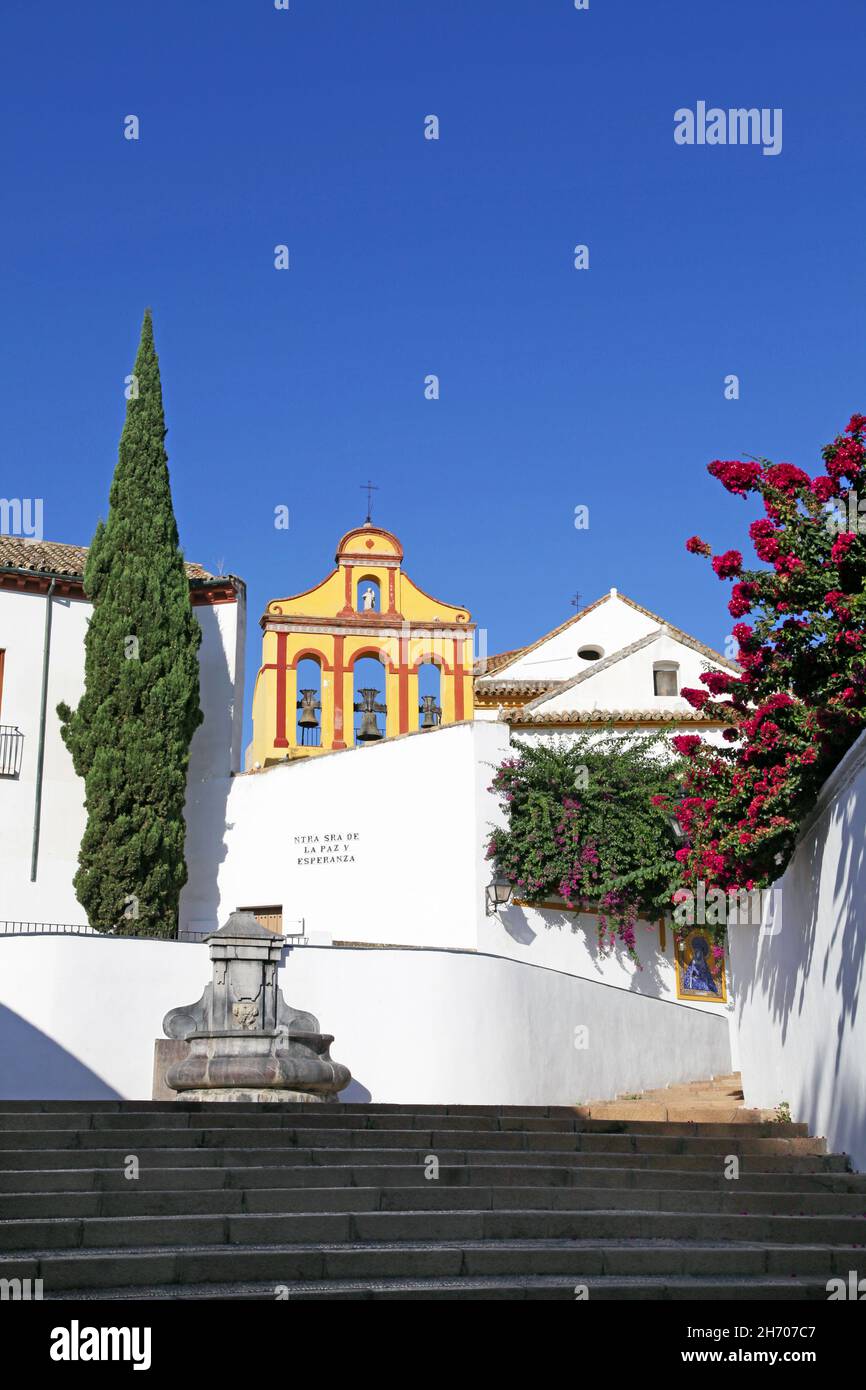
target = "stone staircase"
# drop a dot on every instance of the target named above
(332, 1201)
(718, 1100)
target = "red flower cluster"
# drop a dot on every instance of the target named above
(735, 475)
(800, 700)
(687, 744)
(695, 546)
(841, 546)
(785, 477)
(728, 565)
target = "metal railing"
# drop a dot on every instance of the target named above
(16, 928)
(11, 749)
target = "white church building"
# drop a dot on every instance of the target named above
(370, 859)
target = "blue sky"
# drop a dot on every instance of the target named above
(559, 387)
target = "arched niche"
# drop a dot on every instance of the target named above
(308, 714)
(429, 694)
(368, 595)
(369, 698)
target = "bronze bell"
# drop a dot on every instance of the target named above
(307, 721)
(369, 731)
(431, 713)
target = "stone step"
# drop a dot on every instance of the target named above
(178, 1121)
(632, 1199)
(758, 1162)
(50, 1181)
(172, 1107)
(600, 1288)
(661, 1113)
(70, 1272)
(21, 1141)
(429, 1196)
(337, 1227)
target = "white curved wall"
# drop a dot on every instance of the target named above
(79, 1016)
(798, 982)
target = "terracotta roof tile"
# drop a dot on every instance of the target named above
(609, 716)
(493, 688)
(487, 665)
(53, 557)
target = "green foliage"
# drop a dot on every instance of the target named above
(130, 735)
(589, 822)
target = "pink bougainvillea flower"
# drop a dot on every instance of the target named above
(718, 682)
(696, 546)
(786, 477)
(736, 475)
(824, 488)
(728, 565)
(696, 698)
(841, 546)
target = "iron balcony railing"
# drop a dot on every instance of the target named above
(16, 928)
(11, 748)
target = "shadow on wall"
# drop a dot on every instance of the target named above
(646, 980)
(208, 784)
(821, 933)
(789, 954)
(355, 1094)
(36, 1068)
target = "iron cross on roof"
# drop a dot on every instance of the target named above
(369, 488)
(575, 602)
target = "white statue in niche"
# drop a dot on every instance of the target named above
(369, 600)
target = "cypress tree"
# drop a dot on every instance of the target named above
(130, 735)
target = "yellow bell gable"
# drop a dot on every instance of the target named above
(367, 607)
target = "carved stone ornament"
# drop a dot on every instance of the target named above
(245, 1042)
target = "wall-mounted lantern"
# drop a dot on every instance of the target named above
(497, 893)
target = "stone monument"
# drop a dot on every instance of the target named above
(245, 1042)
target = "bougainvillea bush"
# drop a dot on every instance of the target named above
(587, 822)
(800, 701)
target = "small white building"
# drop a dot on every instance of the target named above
(43, 620)
(615, 663)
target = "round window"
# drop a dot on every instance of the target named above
(590, 653)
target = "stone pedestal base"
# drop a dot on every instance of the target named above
(271, 1066)
(267, 1096)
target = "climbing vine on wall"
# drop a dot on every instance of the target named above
(588, 822)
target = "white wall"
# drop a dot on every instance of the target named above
(612, 625)
(408, 876)
(423, 810)
(798, 980)
(628, 683)
(413, 1026)
(569, 941)
(22, 626)
(215, 746)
